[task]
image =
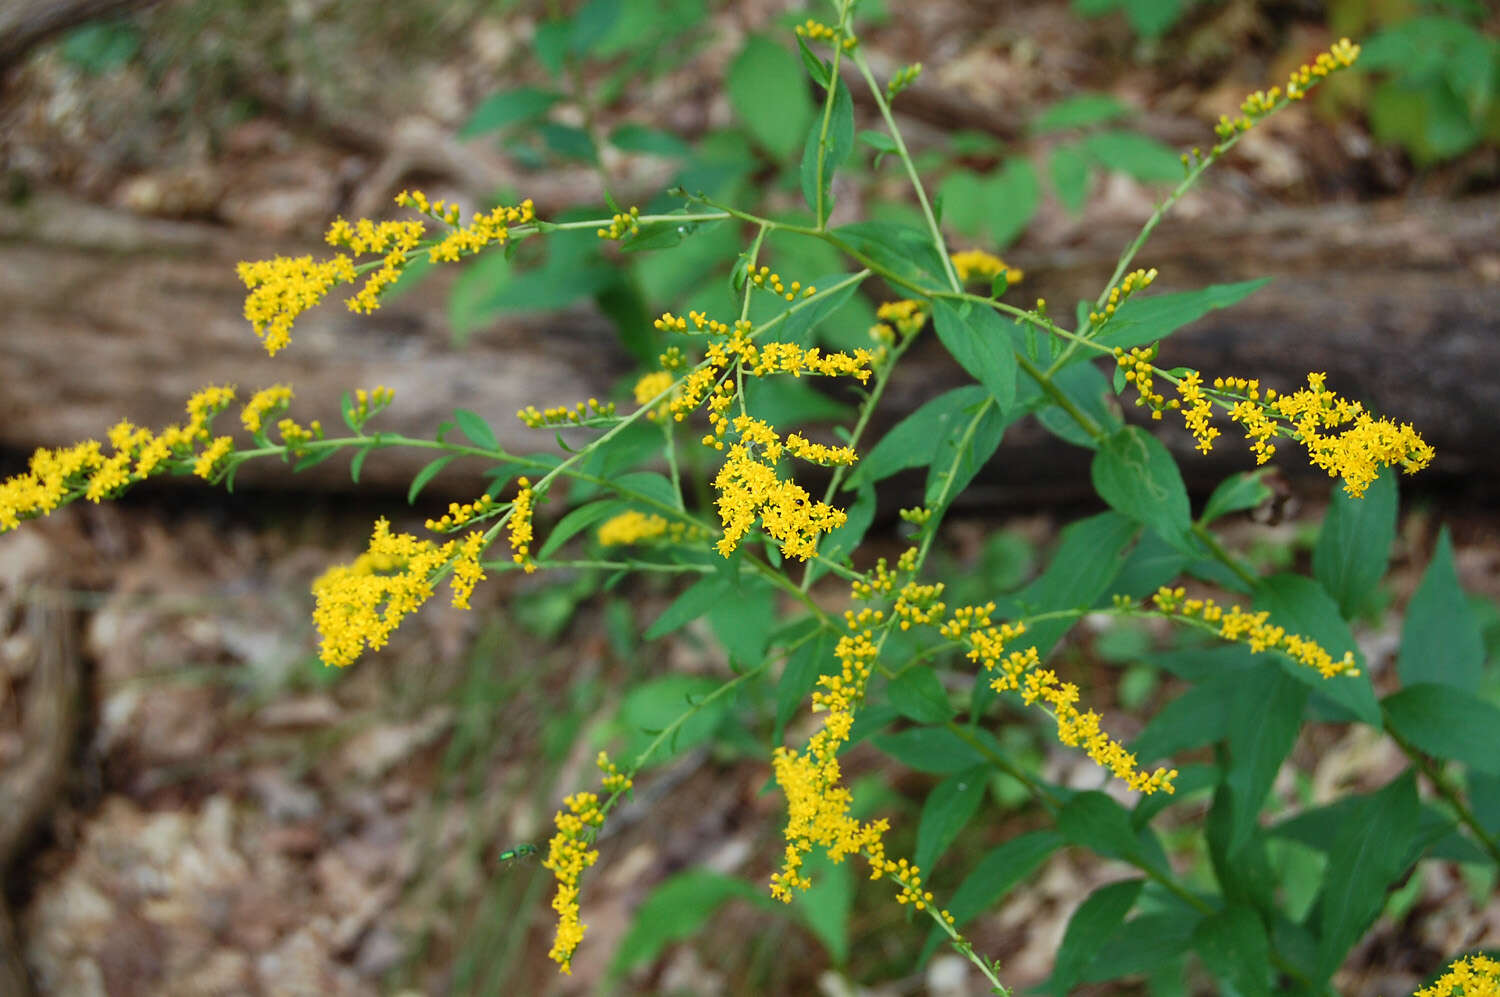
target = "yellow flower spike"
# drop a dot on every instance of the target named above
(264, 402)
(520, 526)
(1255, 631)
(359, 605)
(282, 288)
(466, 570)
(971, 263)
(1472, 976)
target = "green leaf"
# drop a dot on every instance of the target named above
(909, 442)
(97, 47)
(1080, 111)
(357, 462)
(840, 542)
(905, 251)
(429, 471)
(820, 71)
(1302, 606)
(1354, 545)
(743, 624)
(1085, 563)
(826, 905)
(1197, 717)
(1137, 476)
(918, 695)
(1144, 944)
(999, 871)
(644, 484)
(657, 704)
(1447, 722)
(675, 910)
(1236, 493)
(1135, 154)
(1140, 321)
(698, 599)
(977, 338)
(835, 146)
(510, 107)
(800, 676)
(769, 94)
(591, 24)
(476, 429)
(575, 522)
(568, 141)
(1233, 946)
(1259, 741)
(952, 469)
(1440, 640)
(1094, 821)
(997, 207)
(1091, 925)
(1368, 857)
(1069, 170)
(951, 805)
(1085, 387)
(930, 749)
(649, 141)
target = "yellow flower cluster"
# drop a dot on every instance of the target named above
(520, 526)
(296, 437)
(484, 229)
(1254, 630)
(622, 224)
(55, 477)
(359, 605)
(903, 78)
(1359, 452)
(749, 488)
(1021, 671)
(652, 385)
(919, 604)
(1475, 976)
(1134, 281)
(462, 514)
(393, 241)
(765, 277)
(561, 415)
(280, 289)
(817, 31)
(1256, 106)
(1140, 373)
(701, 322)
(467, 572)
(882, 580)
(633, 527)
(1356, 453)
(571, 851)
(368, 403)
(817, 801)
(977, 263)
(263, 403)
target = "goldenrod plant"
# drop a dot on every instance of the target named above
(885, 655)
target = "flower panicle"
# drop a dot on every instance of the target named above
(282, 288)
(1472, 976)
(570, 853)
(58, 476)
(1255, 631)
(1257, 105)
(522, 507)
(360, 604)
